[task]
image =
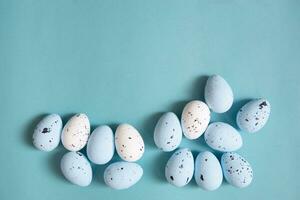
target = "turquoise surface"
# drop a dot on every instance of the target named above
(129, 61)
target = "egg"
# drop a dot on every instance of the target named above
(208, 171)
(223, 137)
(100, 147)
(253, 115)
(76, 168)
(194, 119)
(218, 94)
(76, 132)
(167, 132)
(129, 143)
(122, 175)
(46, 135)
(237, 171)
(180, 168)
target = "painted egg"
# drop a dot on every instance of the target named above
(180, 168)
(194, 119)
(223, 137)
(122, 175)
(208, 171)
(237, 171)
(253, 115)
(46, 135)
(218, 94)
(167, 132)
(76, 168)
(76, 132)
(129, 143)
(100, 147)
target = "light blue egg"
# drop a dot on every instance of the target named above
(180, 168)
(168, 133)
(101, 147)
(122, 175)
(237, 171)
(46, 135)
(253, 115)
(76, 168)
(208, 171)
(223, 137)
(218, 94)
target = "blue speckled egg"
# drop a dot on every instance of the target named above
(122, 175)
(76, 168)
(253, 115)
(218, 94)
(237, 171)
(167, 132)
(46, 135)
(208, 171)
(100, 146)
(180, 168)
(223, 137)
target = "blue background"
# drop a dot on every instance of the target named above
(129, 61)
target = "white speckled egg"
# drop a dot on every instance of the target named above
(208, 171)
(76, 168)
(46, 135)
(129, 143)
(76, 132)
(180, 168)
(223, 137)
(100, 147)
(218, 94)
(253, 115)
(122, 175)
(167, 132)
(194, 119)
(237, 171)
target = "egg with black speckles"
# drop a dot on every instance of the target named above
(100, 147)
(168, 132)
(208, 171)
(76, 168)
(237, 170)
(223, 137)
(46, 135)
(76, 132)
(180, 168)
(218, 94)
(254, 115)
(194, 119)
(129, 143)
(122, 175)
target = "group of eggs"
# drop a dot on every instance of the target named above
(181, 167)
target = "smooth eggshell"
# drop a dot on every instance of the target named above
(167, 132)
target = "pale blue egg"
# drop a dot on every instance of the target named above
(253, 115)
(180, 168)
(237, 170)
(76, 168)
(208, 171)
(46, 135)
(218, 94)
(100, 146)
(167, 132)
(122, 175)
(223, 137)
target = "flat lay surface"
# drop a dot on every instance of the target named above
(131, 61)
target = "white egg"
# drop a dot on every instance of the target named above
(167, 132)
(76, 132)
(129, 143)
(46, 135)
(100, 147)
(194, 119)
